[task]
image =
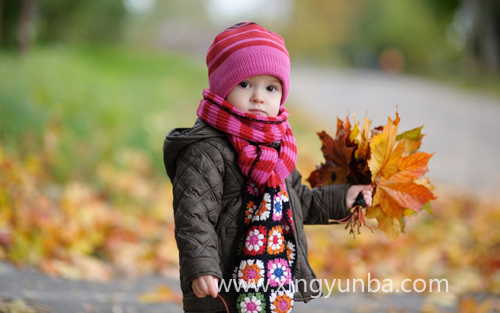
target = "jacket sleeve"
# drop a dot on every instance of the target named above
(320, 204)
(197, 190)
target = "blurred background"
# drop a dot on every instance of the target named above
(89, 89)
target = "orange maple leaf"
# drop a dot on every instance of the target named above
(395, 195)
(413, 166)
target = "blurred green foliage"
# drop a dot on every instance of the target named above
(404, 25)
(77, 21)
(340, 32)
(56, 21)
(98, 99)
(438, 38)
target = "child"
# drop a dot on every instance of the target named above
(239, 204)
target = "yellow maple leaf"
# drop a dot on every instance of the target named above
(391, 226)
(366, 129)
(384, 158)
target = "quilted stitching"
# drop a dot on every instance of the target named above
(207, 191)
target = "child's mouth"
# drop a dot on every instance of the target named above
(258, 112)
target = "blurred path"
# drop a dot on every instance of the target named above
(461, 127)
(58, 295)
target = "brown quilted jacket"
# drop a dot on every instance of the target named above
(207, 188)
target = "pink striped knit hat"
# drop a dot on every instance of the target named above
(244, 50)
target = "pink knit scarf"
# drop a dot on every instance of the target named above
(251, 136)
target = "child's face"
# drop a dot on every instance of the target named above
(259, 95)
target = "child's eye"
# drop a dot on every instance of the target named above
(271, 88)
(244, 84)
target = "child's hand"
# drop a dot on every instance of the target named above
(353, 192)
(205, 285)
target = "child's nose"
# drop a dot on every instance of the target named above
(258, 96)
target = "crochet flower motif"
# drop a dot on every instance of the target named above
(266, 200)
(284, 193)
(249, 213)
(281, 301)
(275, 242)
(290, 252)
(255, 241)
(278, 209)
(264, 210)
(251, 303)
(253, 189)
(251, 274)
(278, 272)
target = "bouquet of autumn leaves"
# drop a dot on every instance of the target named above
(391, 162)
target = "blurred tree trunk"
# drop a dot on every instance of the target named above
(484, 35)
(26, 25)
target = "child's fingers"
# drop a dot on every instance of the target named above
(368, 200)
(367, 187)
(212, 286)
(367, 195)
(197, 290)
(359, 188)
(354, 190)
(200, 287)
(363, 188)
(207, 286)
